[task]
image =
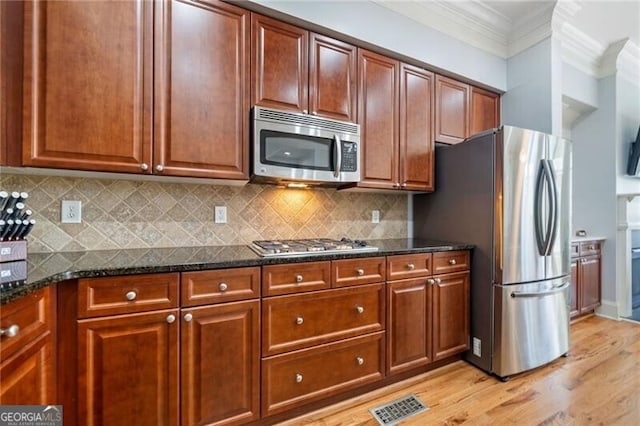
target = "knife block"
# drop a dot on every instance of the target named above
(13, 264)
(13, 250)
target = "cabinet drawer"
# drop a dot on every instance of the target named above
(408, 266)
(366, 270)
(450, 261)
(223, 285)
(295, 277)
(24, 320)
(303, 376)
(127, 294)
(588, 248)
(575, 251)
(303, 320)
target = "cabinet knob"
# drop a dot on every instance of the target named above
(131, 295)
(396, 185)
(188, 317)
(10, 331)
(360, 272)
(411, 266)
(159, 168)
(144, 167)
(223, 286)
(437, 280)
(171, 318)
(305, 111)
(360, 360)
(314, 113)
(299, 320)
(298, 378)
(299, 278)
(360, 309)
(452, 261)
(404, 185)
(592, 247)
(431, 281)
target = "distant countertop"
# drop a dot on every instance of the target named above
(44, 269)
(587, 238)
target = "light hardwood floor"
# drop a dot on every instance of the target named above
(598, 383)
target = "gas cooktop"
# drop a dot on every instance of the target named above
(309, 247)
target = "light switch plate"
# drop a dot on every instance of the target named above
(375, 216)
(71, 211)
(220, 214)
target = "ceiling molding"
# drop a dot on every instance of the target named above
(580, 50)
(530, 29)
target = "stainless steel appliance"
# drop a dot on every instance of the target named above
(309, 247)
(302, 148)
(508, 192)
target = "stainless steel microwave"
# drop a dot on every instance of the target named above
(290, 147)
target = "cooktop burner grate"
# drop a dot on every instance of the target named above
(307, 247)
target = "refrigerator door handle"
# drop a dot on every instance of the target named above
(537, 209)
(554, 290)
(552, 229)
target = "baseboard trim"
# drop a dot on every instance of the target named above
(608, 309)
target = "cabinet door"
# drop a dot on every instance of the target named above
(452, 110)
(450, 314)
(574, 303)
(378, 118)
(485, 110)
(589, 275)
(88, 85)
(408, 324)
(27, 377)
(221, 364)
(416, 128)
(128, 369)
(332, 78)
(280, 68)
(202, 100)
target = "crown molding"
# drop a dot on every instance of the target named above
(531, 29)
(580, 50)
(628, 63)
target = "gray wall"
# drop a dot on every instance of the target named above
(628, 120)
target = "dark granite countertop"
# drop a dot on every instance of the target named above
(44, 269)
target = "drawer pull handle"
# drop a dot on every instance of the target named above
(452, 261)
(223, 286)
(188, 317)
(11, 331)
(431, 281)
(592, 247)
(360, 272)
(360, 360)
(299, 278)
(299, 320)
(437, 280)
(171, 318)
(131, 295)
(298, 378)
(360, 309)
(411, 266)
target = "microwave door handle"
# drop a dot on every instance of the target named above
(337, 156)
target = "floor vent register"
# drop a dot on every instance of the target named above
(400, 409)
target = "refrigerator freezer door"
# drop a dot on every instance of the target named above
(517, 256)
(558, 261)
(531, 325)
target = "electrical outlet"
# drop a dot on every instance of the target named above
(375, 216)
(71, 211)
(220, 214)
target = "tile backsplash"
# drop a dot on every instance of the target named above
(142, 214)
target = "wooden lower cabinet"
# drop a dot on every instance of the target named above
(128, 369)
(408, 324)
(27, 361)
(295, 378)
(586, 272)
(450, 314)
(220, 364)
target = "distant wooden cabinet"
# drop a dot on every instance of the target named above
(463, 110)
(586, 282)
(450, 314)
(27, 355)
(304, 72)
(220, 358)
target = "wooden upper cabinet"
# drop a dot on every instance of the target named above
(378, 119)
(485, 110)
(416, 128)
(280, 64)
(202, 93)
(304, 72)
(332, 78)
(87, 92)
(452, 110)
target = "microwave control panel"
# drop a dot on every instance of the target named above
(349, 157)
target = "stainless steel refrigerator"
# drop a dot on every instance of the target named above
(508, 192)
